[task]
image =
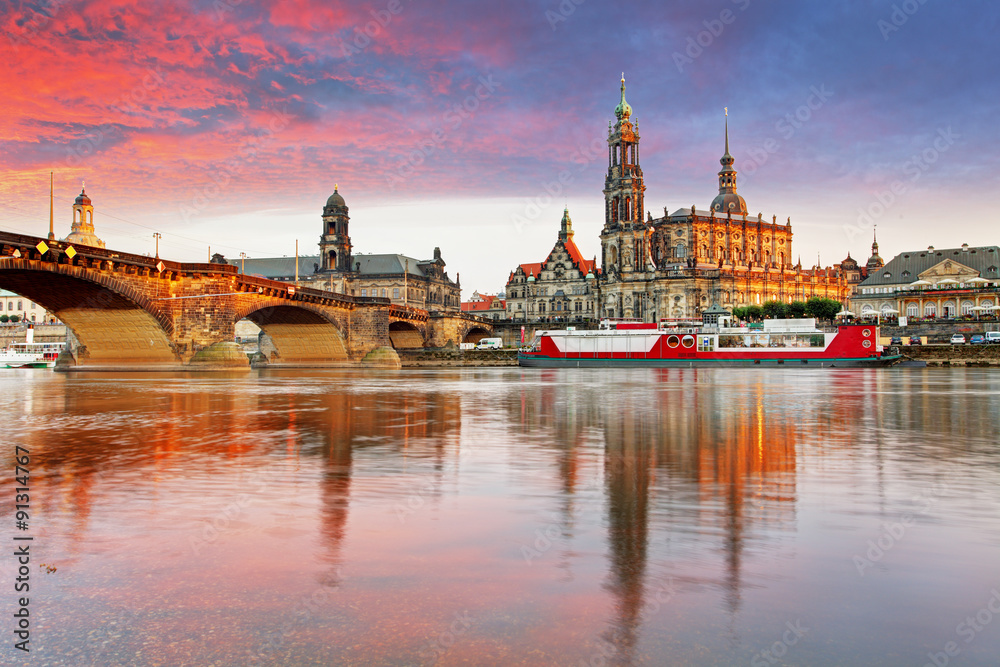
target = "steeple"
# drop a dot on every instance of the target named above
(623, 186)
(728, 200)
(52, 230)
(874, 262)
(566, 227)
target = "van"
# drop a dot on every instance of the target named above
(490, 344)
(993, 336)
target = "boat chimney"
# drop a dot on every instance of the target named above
(29, 337)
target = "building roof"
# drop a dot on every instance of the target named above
(489, 302)
(585, 265)
(376, 264)
(277, 267)
(915, 262)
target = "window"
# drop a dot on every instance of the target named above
(383, 291)
(912, 310)
(20, 305)
(10, 305)
(395, 292)
(364, 292)
(32, 305)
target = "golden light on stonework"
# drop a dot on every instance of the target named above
(17, 253)
(71, 252)
(42, 248)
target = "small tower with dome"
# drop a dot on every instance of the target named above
(82, 232)
(335, 243)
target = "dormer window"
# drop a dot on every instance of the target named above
(887, 275)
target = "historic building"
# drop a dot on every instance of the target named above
(931, 283)
(490, 306)
(563, 287)
(26, 310)
(420, 283)
(679, 264)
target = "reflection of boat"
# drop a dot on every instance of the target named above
(30, 354)
(793, 343)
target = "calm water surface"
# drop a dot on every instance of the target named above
(501, 516)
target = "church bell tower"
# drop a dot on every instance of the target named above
(335, 244)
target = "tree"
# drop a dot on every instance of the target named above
(821, 308)
(775, 310)
(797, 309)
(739, 313)
(4, 319)
(14, 319)
(755, 313)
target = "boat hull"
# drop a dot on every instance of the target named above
(528, 360)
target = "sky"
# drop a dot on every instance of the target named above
(470, 126)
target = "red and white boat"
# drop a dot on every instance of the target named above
(791, 343)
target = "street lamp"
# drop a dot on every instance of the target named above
(157, 236)
(243, 265)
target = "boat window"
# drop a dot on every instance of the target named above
(673, 341)
(706, 343)
(687, 341)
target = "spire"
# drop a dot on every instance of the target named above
(728, 200)
(52, 230)
(624, 110)
(727, 133)
(566, 227)
(874, 241)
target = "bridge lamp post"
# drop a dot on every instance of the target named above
(243, 264)
(157, 236)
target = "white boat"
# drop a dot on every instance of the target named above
(30, 354)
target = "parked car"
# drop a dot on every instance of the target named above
(958, 339)
(978, 339)
(993, 336)
(915, 340)
(896, 340)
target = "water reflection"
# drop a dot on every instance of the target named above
(427, 486)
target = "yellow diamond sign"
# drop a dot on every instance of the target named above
(42, 248)
(70, 252)
(160, 266)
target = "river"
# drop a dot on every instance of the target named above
(507, 516)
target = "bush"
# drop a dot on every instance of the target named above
(775, 310)
(797, 309)
(14, 319)
(4, 319)
(821, 308)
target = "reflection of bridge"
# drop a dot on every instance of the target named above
(133, 311)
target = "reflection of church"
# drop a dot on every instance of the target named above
(676, 265)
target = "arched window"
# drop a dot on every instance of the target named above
(930, 310)
(912, 310)
(680, 251)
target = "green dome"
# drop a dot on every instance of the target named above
(624, 110)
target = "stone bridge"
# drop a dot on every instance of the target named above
(136, 312)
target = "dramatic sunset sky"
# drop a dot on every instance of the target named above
(226, 123)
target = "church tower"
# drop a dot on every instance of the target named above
(335, 244)
(728, 200)
(83, 222)
(623, 239)
(874, 262)
(623, 186)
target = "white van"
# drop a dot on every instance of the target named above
(993, 336)
(490, 344)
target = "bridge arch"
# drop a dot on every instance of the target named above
(112, 320)
(301, 335)
(405, 335)
(475, 334)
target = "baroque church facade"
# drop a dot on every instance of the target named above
(677, 265)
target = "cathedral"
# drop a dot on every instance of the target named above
(680, 264)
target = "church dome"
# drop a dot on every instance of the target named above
(335, 199)
(729, 201)
(82, 199)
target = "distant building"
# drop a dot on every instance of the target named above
(563, 287)
(24, 309)
(420, 283)
(485, 305)
(931, 283)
